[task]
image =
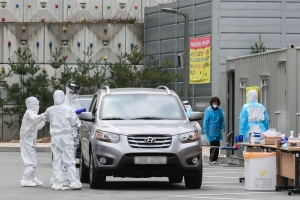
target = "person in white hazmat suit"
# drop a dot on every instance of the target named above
(28, 133)
(72, 92)
(62, 120)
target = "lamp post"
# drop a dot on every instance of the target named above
(186, 49)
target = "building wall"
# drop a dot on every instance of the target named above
(280, 95)
(98, 15)
(74, 10)
(164, 40)
(235, 26)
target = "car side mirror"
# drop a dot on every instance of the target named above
(86, 116)
(195, 116)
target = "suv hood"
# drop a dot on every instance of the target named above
(171, 127)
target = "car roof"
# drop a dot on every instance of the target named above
(139, 91)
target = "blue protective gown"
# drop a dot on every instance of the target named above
(253, 117)
(213, 124)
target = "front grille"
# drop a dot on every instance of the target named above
(161, 141)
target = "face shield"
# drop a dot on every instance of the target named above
(72, 94)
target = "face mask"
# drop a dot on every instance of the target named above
(72, 95)
(214, 106)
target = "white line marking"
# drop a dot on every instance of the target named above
(223, 173)
(222, 177)
(267, 192)
(225, 168)
(222, 182)
(224, 186)
(209, 198)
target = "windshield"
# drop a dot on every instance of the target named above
(84, 103)
(141, 106)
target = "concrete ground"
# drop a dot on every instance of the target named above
(218, 183)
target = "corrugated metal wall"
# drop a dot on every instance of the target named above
(281, 96)
(235, 26)
(242, 22)
(164, 39)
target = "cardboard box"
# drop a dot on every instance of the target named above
(249, 149)
(287, 165)
(294, 143)
(271, 140)
(260, 173)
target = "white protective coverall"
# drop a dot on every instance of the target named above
(70, 101)
(62, 119)
(30, 124)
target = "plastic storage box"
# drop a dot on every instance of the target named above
(260, 171)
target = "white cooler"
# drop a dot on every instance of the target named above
(260, 171)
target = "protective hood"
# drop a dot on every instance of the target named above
(59, 97)
(32, 104)
(71, 94)
(252, 96)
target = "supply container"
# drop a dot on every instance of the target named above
(257, 138)
(260, 171)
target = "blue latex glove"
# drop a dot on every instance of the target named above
(80, 111)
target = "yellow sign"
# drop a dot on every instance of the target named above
(263, 172)
(200, 60)
(252, 88)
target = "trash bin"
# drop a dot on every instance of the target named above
(260, 171)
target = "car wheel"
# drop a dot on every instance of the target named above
(175, 179)
(194, 182)
(83, 171)
(96, 180)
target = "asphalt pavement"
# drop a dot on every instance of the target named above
(218, 183)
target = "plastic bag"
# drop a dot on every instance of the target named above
(272, 133)
(203, 140)
(249, 155)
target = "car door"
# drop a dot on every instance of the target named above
(86, 132)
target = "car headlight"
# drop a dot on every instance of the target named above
(189, 137)
(107, 137)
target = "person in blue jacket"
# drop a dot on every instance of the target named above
(212, 126)
(253, 117)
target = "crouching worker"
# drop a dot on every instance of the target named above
(62, 119)
(28, 133)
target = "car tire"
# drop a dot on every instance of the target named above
(83, 171)
(96, 180)
(194, 182)
(175, 179)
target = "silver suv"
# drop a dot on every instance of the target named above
(139, 132)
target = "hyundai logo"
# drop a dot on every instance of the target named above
(149, 140)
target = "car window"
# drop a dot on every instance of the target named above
(93, 104)
(133, 106)
(84, 103)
